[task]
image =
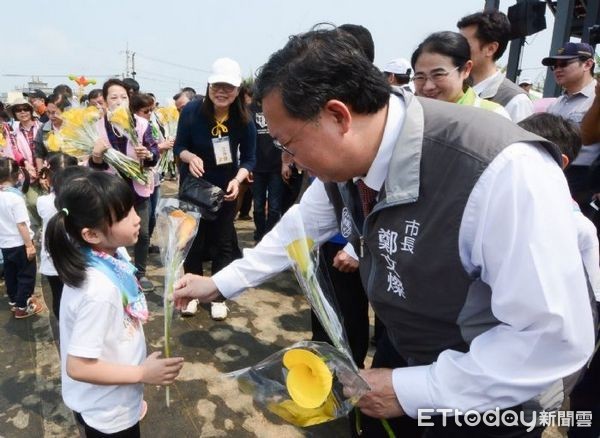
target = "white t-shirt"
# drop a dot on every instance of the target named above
(93, 324)
(46, 209)
(12, 212)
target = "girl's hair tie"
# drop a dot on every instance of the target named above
(65, 211)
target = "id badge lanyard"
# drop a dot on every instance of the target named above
(221, 146)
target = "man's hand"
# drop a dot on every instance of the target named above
(192, 286)
(30, 251)
(344, 262)
(381, 401)
(286, 173)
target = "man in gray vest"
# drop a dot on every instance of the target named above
(485, 304)
(488, 33)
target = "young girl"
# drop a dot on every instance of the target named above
(16, 242)
(103, 352)
(46, 209)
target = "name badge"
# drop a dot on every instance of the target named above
(222, 150)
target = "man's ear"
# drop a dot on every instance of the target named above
(340, 113)
(565, 161)
(491, 48)
(91, 236)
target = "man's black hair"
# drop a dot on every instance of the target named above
(318, 66)
(492, 26)
(364, 38)
(560, 131)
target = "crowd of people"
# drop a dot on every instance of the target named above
(441, 197)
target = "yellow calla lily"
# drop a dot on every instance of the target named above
(299, 251)
(309, 380)
(54, 142)
(303, 417)
(185, 229)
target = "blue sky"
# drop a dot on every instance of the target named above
(176, 41)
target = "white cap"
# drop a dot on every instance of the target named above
(398, 66)
(225, 70)
(525, 81)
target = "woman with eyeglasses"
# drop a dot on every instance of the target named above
(442, 64)
(216, 141)
(21, 147)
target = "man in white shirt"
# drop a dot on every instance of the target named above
(486, 311)
(488, 35)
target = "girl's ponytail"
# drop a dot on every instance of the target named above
(68, 258)
(26, 180)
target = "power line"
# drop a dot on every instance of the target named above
(173, 64)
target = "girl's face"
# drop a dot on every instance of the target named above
(53, 113)
(116, 97)
(122, 233)
(437, 77)
(222, 95)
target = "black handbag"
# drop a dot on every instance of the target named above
(206, 196)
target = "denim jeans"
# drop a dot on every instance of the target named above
(154, 197)
(19, 275)
(140, 250)
(267, 186)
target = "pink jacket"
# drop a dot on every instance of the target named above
(140, 127)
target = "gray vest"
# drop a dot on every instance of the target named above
(410, 264)
(504, 93)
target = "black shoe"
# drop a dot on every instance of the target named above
(146, 284)
(245, 217)
(153, 249)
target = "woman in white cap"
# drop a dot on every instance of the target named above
(442, 64)
(212, 134)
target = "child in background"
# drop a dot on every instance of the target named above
(46, 209)
(18, 250)
(103, 351)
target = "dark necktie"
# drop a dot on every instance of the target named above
(368, 196)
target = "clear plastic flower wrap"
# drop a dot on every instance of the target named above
(306, 384)
(310, 382)
(176, 225)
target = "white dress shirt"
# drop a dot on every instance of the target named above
(518, 233)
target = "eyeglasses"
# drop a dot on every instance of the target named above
(22, 109)
(147, 111)
(221, 86)
(563, 63)
(282, 148)
(437, 76)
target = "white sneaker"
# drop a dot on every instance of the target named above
(218, 311)
(190, 309)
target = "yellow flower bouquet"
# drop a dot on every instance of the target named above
(79, 135)
(168, 118)
(177, 225)
(304, 384)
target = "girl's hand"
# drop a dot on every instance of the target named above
(233, 188)
(157, 371)
(30, 251)
(197, 166)
(31, 170)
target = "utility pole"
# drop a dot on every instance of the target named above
(126, 61)
(133, 65)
